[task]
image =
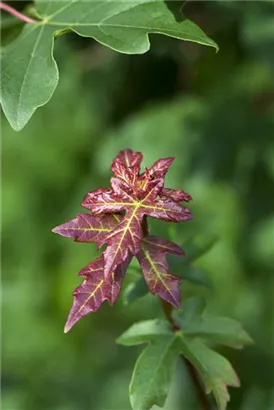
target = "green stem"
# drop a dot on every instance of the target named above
(167, 309)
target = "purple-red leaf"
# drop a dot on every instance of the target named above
(168, 210)
(88, 228)
(162, 245)
(95, 289)
(126, 237)
(152, 259)
(103, 202)
(115, 280)
(160, 167)
(128, 158)
(118, 219)
(176, 195)
(89, 296)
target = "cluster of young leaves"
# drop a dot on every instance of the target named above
(155, 366)
(121, 25)
(119, 220)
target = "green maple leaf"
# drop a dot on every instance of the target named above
(221, 330)
(29, 70)
(154, 368)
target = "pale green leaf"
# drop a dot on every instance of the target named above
(153, 373)
(215, 371)
(29, 71)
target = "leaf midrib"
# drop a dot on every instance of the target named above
(155, 30)
(135, 204)
(159, 276)
(125, 230)
(88, 299)
(27, 71)
(160, 361)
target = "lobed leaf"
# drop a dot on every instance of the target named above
(121, 25)
(216, 371)
(95, 289)
(88, 228)
(145, 331)
(103, 201)
(128, 159)
(124, 240)
(153, 373)
(176, 195)
(155, 366)
(222, 330)
(160, 167)
(119, 220)
(152, 259)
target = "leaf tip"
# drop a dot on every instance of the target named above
(67, 327)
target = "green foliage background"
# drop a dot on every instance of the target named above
(215, 113)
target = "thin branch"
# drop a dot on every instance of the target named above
(16, 13)
(196, 383)
(167, 308)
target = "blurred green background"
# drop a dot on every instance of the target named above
(215, 113)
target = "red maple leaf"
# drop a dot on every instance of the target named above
(152, 259)
(119, 219)
(89, 296)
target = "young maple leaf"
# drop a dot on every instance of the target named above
(152, 259)
(89, 296)
(88, 228)
(119, 219)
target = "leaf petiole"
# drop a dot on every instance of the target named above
(16, 13)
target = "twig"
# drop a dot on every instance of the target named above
(196, 382)
(16, 13)
(167, 308)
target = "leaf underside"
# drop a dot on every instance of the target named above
(120, 25)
